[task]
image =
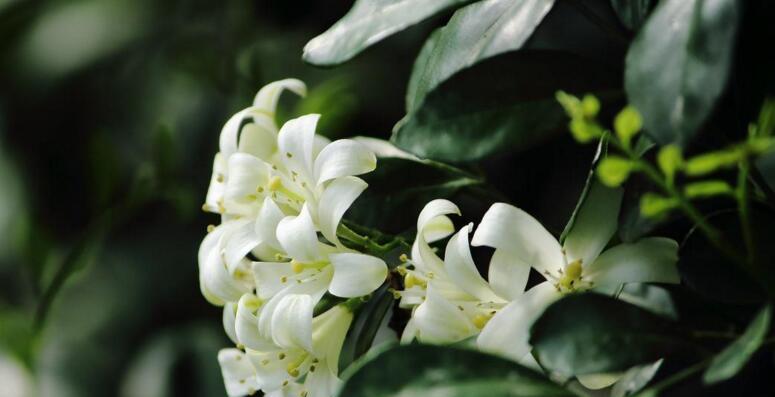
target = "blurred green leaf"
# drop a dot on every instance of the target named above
(424, 370)
(650, 297)
(632, 13)
(368, 22)
(733, 358)
(336, 103)
(474, 33)
(614, 170)
(707, 188)
(670, 160)
(653, 205)
(592, 333)
(505, 103)
(707, 163)
(627, 124)
(366, 324)
(675, 79)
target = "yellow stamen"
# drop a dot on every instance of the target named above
(297, 267)
(480, 320)
(274, 184)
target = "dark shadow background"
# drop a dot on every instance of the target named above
(110, 112)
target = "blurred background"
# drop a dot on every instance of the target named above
(110, 112)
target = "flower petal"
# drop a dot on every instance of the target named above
(271, 372)
(292, 322)
(259, 138)
(239, 240)
(594, 224)
(267, 220)
(215, 281)
(334, 202)
(343, 157)
(356, 274)
(246, 174)
(599, 381)
(428, 223)
(267, 97)
(513, 230)
(238, 375)
(214, 199)
(647, 260)
(269, 276)
(507, 275)
(323, 382)
(298, 237)
(246, 324)
(462, 270)
(329, 331)
(439, 321)
(229, 319)
(315, 287)
(508, 332)
(296, 142)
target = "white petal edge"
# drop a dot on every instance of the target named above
(507, 275)
(508, 332)
(292, 322)
(246, 174)
(336, 199)
(267, 97)
(238, 374)
(343, 157)
(513, 230)
(269, 216)
(461, 268)
(439, 321)
(298, 237)
(356, 274)
(651, 259)
(296, 142)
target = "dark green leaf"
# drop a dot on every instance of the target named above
(367, 323)
(635, 379)
(475, 32)
(368, 22)
(732, 359)
(677, 66)
(504, 103)
(650, 297)
(592, 333)
(632, 13)
(423, 370)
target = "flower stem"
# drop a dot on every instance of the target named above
(743, 205)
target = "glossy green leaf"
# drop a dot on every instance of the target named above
(732, 359)
(424, 370)
(504, 103)
(592, 333)
(632, 13)
(474, 33)
(368, 22)
(677, 66)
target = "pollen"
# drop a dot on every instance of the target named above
(411, 280)
(288, 154)
(292, 370)
(480, 320)
(403, 258)
(297, 267)
(210, 228)
(219, 178)
(275, 183)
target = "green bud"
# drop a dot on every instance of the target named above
(627, 124)
(670, 160)
(590, 106)
(707, 189)
(709, 162)
(614, 170)
(653, 205)
(584, 131)
(571, 104)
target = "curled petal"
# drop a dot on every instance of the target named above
(238, 375)
(217, 189)
(296, 142)
(462, 270)
(432, 224)
(507, 275)
(246, 174)
(218, 285)
(238, 241)
(267, 220)
(292, 322)
(246, 324)
(259, 138)
(343, 157)
(513, 230)
(334, 202)
(229, 320)
(267, 97)
(648, 260)
(508, 332)
(356, 274)
(439, 321)
(298, 237)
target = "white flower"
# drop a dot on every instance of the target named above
(239, 377)
(450, 300)
(580, 264)
(302, 358)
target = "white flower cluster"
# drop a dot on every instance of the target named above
(281, 195)
(451, 302)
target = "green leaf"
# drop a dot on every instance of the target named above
(632, 13)
(614, 170)
(592, 333)
(707, 163)
(670, 160)
(627, 124)
(502, 104)
(424, 370)
(677, 66)
(653, 205)
(474, 33)
(368, 22)
(635, 379)
(733, 358)
(365, 327)
(707, 189)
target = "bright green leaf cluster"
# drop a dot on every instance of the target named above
(627, 124)
(670, 160)
(653, 205)
(614, 170)
(582, 113)
(708, 188)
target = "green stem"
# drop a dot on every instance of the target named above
(367, 243)
(743, 205)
